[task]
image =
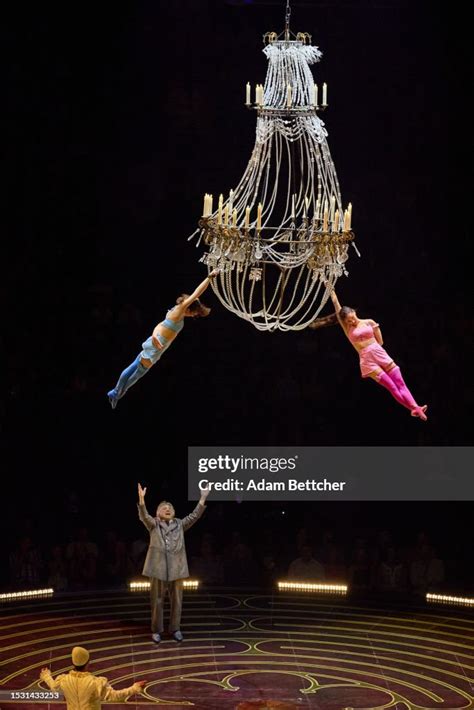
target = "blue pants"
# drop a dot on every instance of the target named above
(127, 379)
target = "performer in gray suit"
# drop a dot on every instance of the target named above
(166, 562)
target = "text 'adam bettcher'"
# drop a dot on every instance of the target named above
(262, 484)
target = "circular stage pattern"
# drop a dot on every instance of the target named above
(250, 651)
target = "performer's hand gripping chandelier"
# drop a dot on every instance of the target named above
(281, 238)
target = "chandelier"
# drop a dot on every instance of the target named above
(281, 237)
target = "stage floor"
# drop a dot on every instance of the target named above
(248, 651)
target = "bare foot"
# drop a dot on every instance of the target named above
(420, 412)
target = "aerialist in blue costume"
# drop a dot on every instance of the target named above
(163, 335)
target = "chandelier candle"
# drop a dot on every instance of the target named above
(277, 273)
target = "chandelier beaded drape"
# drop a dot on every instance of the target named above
(281, 237)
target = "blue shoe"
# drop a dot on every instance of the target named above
(178, 636)
(113, 399)
(156, 638)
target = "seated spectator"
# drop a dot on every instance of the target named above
(426, 571)
(305, 567)
(330, 554)
(360, 567)
(240, 568)
(57, 569)
(207, 566)
(269, 573)
(137, 555)
(25, 563)
(81, 556)
(391, 574)
(114, 561)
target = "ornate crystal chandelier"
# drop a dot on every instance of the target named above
(281, 237)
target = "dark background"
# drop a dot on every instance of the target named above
(118, 119)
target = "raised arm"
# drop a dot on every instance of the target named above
(109, 695)
(193, 517)
(199, 290)
(148, 521)
(335, 301)
(337, 308)
(51, 682)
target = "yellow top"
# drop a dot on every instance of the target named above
(85, 691)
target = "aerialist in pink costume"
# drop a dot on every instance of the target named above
(375, 362)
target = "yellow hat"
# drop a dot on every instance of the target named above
(79, 656)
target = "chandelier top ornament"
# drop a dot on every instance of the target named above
(281, 237)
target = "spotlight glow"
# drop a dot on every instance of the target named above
(27, 594)
(287, 586)
(144, 586)
(450, 599)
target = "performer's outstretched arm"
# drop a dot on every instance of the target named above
(51, 682)
(198, 291)
(337, 307)
(335, 301)
(193, 517)
(148, 521)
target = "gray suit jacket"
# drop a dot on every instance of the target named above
(166, 556)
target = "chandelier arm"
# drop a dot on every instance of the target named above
(275, 182)
(239, 298)
(232, 295)
(268, 308)
(279, 148)
(245, 200)
(310, 176)
(288, 312)
(314, 285)
(301, 194)
(243, 188)
(302, 323)
(263, 200)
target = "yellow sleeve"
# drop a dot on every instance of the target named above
(108, 694)
(53, 683)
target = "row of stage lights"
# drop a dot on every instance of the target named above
(311, 587)
(449, 599)
(28, 594)
(283, 586)
(144, 586)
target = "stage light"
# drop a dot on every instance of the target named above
(142, 586)
(312, 587)
(27, 594)
(450, 599)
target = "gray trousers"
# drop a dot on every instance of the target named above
(158, 590)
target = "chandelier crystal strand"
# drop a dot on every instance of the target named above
(282, 250)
